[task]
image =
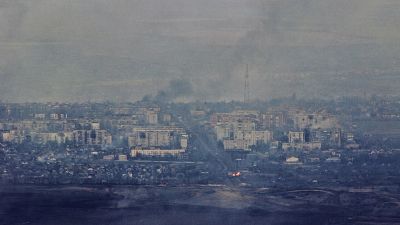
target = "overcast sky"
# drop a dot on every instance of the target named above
(74, 50)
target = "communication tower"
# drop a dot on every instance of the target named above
(246, 96)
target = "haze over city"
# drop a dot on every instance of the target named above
(234, 112)
(99, 50)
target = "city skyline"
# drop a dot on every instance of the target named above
(199, 112)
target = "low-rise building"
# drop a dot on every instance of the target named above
(292, 160)
(136, 152)
(302, 146)
(122, 157)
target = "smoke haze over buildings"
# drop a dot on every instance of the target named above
(123, 50)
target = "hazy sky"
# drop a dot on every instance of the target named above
(74, 50)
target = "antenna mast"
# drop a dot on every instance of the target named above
(246, 97)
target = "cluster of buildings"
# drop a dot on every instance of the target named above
(240, 130)
(108, 142)
(93, 143)
(61, 131)
(141, 130)
(158, 141)
(286, 129)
